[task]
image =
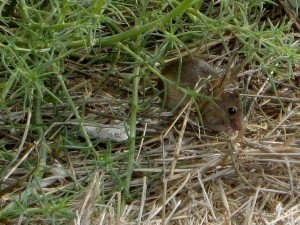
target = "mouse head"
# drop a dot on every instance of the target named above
(226, 115)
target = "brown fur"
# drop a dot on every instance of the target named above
(215, 116)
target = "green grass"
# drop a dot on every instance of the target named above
(39, 38)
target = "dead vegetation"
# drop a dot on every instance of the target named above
(181, 174)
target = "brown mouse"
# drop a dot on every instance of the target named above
(226, 115)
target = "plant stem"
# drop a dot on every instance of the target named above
(135, 31)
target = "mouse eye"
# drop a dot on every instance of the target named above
(232, 110)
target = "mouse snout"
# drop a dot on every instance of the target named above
(236, 125)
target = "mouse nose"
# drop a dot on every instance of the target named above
(236, 125)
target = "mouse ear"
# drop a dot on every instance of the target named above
(213, 83)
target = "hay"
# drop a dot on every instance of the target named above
(182, 173)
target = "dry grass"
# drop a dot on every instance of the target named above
(181, 174)
(185, 177)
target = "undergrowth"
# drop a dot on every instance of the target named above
(61, 61)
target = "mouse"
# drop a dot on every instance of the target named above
(224, 114)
